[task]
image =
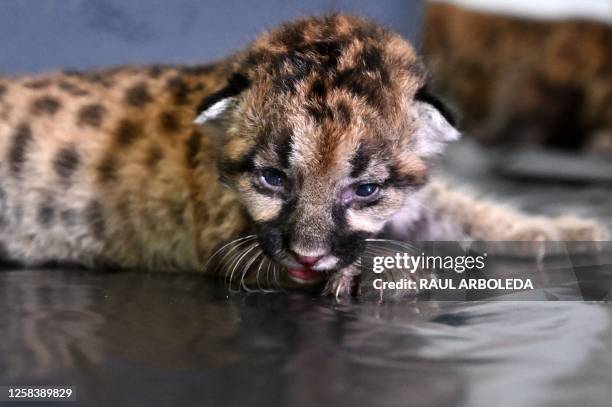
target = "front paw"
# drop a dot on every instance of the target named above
(342, 283)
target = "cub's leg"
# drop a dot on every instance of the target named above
(446, 214)
(438, 213)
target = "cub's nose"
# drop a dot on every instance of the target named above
(307, 261)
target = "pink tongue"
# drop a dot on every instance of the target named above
(305, 274)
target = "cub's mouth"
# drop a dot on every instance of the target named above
(306, 276)
(242, 264)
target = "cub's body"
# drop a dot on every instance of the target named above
(316, 138)
(100, 167)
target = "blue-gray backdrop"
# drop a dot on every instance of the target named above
(46, 34)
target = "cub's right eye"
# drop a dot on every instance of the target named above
(272, 179)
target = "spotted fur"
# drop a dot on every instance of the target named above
(158, 167)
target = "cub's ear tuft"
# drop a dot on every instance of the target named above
(436, 127)
(214, 105)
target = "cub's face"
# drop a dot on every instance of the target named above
(326, 132)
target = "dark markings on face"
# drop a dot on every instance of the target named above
(37, 84)
(45, 105)
(169, 122)
(127, 132)
(156, 71)
(345, 244)
(46, 212)
(244, 164)
(91, 115)
(66, 161)
(283, 148)
(2, 90)
(360, 160)
(71, 89)
(179, 89)
(273, 235)
(107, 170)
(192, 148)
(154, 156)
(94, 215)
(398, 180)
(69, 217)
(21, 140)
(138, 95)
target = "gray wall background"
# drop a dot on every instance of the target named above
(38, 35)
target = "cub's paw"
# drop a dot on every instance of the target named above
(342, 284)
(565, 234)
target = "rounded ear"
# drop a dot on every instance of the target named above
(214, 105)
(436, 124)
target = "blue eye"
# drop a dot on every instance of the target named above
(272, 178)
(366, 190)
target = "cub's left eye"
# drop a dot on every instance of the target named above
(367, 190)
(272, 179)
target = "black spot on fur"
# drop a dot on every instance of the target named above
(318, 89)
(360, 161)
(343, 113)
(179, 90)
(156, 71)
(138, 95)
(66, 162)
(283, 148)
(37, 84)
(320, 112)
(169, 122)
(46, 213)
(17, 152)
(94, 216)
(91, 115)
(373, 62)
(68, 217)
(197, 70)
(154, 156)
(192, 148)
(127, 132)
(360, 85)
(424, 95)
(71, 88)
(107, 170)
(235, 85)
(45, 105)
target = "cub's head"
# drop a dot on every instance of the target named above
(326, 131)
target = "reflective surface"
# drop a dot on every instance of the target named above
(155, 339)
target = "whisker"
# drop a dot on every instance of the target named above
(220, 250)
(242, 256)
(247, 267)
(228, 265)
